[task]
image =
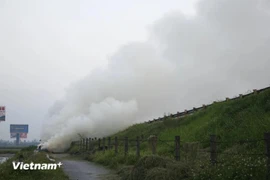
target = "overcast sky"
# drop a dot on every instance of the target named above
(46, 45)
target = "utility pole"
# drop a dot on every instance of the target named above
(17, 139)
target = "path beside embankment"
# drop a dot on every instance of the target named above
(78, 169)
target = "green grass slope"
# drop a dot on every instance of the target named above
(234, 120)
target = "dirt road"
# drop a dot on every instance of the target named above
(78, 169)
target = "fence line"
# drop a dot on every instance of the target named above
(103, 144)
(194, 109)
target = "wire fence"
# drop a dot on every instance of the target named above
(194, 109)
(125, 144)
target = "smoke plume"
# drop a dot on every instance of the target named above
(186, 62)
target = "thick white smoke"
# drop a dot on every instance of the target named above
(222, 51)
(93, 122)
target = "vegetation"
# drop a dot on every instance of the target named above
(235, 122)
(27, 155)
(9, 151)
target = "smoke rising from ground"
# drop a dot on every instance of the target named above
(187, 61)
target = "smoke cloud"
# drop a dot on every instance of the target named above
(186, 62)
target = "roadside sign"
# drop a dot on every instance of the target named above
(19, 128)
(2, 113)
(13, 135)
(22, 135)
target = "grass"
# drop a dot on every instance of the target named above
(241, 119)
(9, 151)
(7, 171)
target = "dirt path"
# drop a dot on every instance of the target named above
(78, 169)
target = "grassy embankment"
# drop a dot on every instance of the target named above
(7, 171)
(240, 119)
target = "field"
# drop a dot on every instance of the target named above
(9, 151)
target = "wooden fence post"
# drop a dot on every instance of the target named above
(177, 148)
(138, 146)
(86, 144)
(126, 146)
(213, 149)
(99, 143)
(116, 145)
(104, 144)
(83, 142)
(267, 145)
(109, 142)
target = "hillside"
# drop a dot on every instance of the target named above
(239, 125)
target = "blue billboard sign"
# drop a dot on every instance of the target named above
(19, 128)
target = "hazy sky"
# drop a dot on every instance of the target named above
(46, 45)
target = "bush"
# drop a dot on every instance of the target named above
(237, 167)
(146, 163)
(157, 174)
